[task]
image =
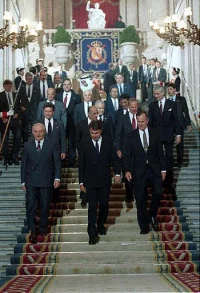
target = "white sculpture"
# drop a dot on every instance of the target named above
(96, 17)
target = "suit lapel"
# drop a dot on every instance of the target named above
(166, 107)
(128, 121)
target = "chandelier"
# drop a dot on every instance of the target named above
(176, 31)
(18, 36)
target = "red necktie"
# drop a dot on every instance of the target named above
(133, 123)
(160, 108)
(65, 100)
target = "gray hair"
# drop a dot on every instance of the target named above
(159, 88)
(29, 74)
(99, 102)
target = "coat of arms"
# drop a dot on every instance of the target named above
(96, 54)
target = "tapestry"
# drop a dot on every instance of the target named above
(94, 51)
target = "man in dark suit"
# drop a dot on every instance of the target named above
(109, 78)
(123, 88)
(183, 117)
(151, 80)
(119, 23)
(95, 158)
(112, 104)
(163, 116)
(127, 123)
(143, 78)
(58, 83)
(29, 98)
(9, 109)
(70, 100)
(120, 68)
(143, 161)
(133, 79)
(18, 79)
(160, 75)
(62, 73)
(54, 128)
(40, 173)
(43, 84)
(59, 112)
(123, 101)
(81, 110)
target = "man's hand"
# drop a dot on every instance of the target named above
(178, 139)
(4, 120)
(189, 128)
(117, 179)
(63, 156)
(119, 153)
(24, 187)
(163, 175)
(56, 184)
(82, 188)
(15, 116)
(128, 176)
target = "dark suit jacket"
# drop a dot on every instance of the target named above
(109, 79)
(79, 113)
(4, 107)
(124, 127)
(83, 133)
(94, 169)
(178, 83)
(182, 110)
(59, 113)
(110, 111)
(50, 84)
(75, 100)
(30, 113)
(141, 76)
(167, 123)
(40, 169)
(127, 89)
(134, 156)
(17, 81)
(162, 75)
(58, 135)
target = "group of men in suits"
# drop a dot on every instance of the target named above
(115, 133)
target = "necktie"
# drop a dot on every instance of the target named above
(100, 117)
(115, 104)
(29, 93)
(120, 89)
(43, 91)
(145, 143)
(49, 128)
(160, 106)
(97, 146)
(65, 100)
(88, 104)
(38, 147)
(9, 100)
(133, 123)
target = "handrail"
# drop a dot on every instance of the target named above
(191, 102)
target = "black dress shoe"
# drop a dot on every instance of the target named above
(144, 231)
(154, 224)
(94, 240)
(101, 231)
(16, 162)
(84, 203)
(33, 237)
(6, 163)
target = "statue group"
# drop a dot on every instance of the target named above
(96, 17)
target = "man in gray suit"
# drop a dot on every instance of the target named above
(59, 113)
(40, 173)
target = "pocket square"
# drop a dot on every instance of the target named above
(170, 109)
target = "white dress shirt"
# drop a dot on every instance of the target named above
(69, 94)
(99, 142)
(163, 103)
(141, 132)
(31, 89)
(131, 118)
(117, 103)
(41, 88)
(46, 122)
(86, 104)
(41, 143)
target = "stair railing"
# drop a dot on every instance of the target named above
(194, 112)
